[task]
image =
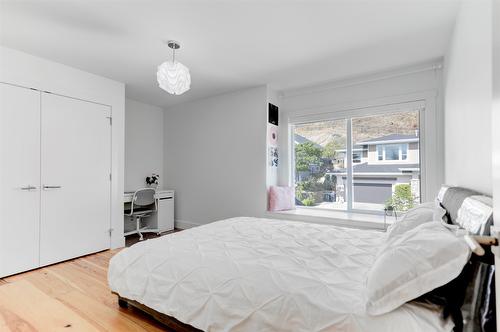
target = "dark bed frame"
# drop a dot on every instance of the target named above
(170, 322)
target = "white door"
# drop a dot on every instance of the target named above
(19, 178)
(75, 177)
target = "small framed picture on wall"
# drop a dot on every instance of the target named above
(273, 156)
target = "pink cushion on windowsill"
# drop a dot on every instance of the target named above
(281, 198)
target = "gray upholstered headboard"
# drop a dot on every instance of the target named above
(478, 309)
(452, 200)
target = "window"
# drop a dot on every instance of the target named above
(392, 152)
(356, 157)
(383, 169)
(404, 151)
(380, 152)
(320, 149)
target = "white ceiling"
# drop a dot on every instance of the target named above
(229, 44)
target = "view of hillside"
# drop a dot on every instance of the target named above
(363, 128)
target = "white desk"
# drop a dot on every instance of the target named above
(163, 219)
(127, 196)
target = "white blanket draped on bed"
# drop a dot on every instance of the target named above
(250, 274)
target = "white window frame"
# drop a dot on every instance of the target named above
(347, 115)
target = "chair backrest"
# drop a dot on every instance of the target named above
(143, 197)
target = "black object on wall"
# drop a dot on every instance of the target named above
(273, 114)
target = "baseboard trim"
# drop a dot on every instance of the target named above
(183, 224)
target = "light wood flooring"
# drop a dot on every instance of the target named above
(70, 296)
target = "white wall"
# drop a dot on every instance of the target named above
(496, 113)
(421, 83)
(468, 96)
(215, 156)
(496, 137)
(143, 143)
(29, 71)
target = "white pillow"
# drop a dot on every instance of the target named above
(416, 216)
(412, 264)
(474, 213)
(442, 191)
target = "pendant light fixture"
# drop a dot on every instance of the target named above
(173, 76)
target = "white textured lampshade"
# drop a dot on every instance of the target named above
(173, 77)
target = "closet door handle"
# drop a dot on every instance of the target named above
(28, 187)
(45, 187)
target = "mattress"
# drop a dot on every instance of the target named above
(253, 274)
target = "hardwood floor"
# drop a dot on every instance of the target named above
(72, 295)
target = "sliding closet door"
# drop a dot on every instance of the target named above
(19, 178)
(76, 163)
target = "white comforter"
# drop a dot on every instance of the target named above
(249, 274)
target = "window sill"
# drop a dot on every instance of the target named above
(332, 217)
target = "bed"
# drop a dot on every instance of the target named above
(252, 274)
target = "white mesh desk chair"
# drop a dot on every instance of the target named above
(143, 205)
